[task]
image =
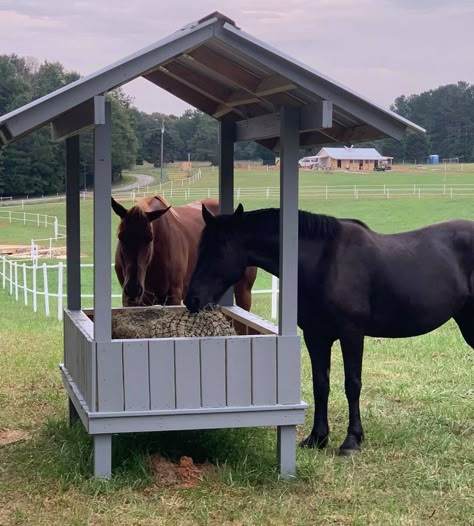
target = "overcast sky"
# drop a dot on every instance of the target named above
(378, 48)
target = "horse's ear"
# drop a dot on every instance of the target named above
(239, 212)
(206, 215)
(120, 210)
(156, 214)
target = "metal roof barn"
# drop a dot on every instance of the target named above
(257, 93)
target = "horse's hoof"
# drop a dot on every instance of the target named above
(346, 452)
(314, 442)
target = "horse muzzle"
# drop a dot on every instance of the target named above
(193, 303)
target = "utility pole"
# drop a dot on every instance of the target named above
(162, 140)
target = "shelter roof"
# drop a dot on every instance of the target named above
(225, 72)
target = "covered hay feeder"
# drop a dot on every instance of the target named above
(156, 384)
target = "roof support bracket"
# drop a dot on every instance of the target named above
(312, 117)
(87, 115)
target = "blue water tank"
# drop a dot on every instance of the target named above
(433, 159)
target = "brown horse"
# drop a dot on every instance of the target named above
(157, 251)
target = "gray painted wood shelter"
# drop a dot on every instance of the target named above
(253, 379)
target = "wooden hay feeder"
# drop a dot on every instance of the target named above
(162, 384)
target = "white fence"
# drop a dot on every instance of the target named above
(39, 246)
(34, 284)
(411, 191)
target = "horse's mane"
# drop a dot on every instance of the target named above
(310, 225)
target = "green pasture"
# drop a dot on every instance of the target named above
(416, 466)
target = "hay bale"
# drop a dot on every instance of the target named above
(157, 322)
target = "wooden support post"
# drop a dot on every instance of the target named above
(286, 445)
(289, 221)
(103, 456)
(102, 227)
(73, 219)
(226, 182)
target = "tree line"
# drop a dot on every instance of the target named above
(35, 165)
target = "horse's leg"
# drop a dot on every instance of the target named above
(465, 321)
(319, 348)
(243, 289)
(352, 344)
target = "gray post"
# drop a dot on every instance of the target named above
(73, 414)
(102, 228)
(73, 218)
(289, 138)
(226, 181)
(161, 152)
(103, 456)
(286, 445)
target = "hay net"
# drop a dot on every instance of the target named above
(159, 322)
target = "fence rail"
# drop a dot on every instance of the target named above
(16, 277)
(392, 191)
(35, 245)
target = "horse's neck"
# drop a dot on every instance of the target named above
(263, 249)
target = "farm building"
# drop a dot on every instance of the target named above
(353, 159)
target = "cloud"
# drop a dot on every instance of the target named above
(379, 48)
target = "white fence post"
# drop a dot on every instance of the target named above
(50, 248)
(10, 216)
(45, 288)
(16, 280)
(37, 220)
(268, 192)
(24, 218)
(35, 296)
(60, 291)
(274, 297)
(25, 285)
(55, 228)
(11, 277)
(4, 264)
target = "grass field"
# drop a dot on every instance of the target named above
(416, 467)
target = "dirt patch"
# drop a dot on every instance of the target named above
(14, 249)
(56, 252)
(12, 436)
(3, 224)
(184, 475)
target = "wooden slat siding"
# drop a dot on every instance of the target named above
(109, 376)
(92, 400)
(213, 388)
(79, 353)
(264, 370)
(162, 374)
(67, 338)
(238, 372)
(136, 376)
(188, 375)
(289, 370)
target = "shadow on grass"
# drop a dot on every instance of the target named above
(65, 454)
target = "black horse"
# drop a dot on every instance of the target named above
(352, 282)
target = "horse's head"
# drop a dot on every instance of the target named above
(134, 248)
(222, 259)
